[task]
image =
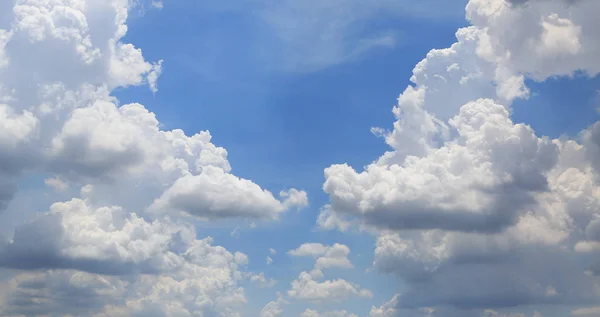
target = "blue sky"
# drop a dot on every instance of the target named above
(290, 89)
(282, 127)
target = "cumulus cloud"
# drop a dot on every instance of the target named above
(215, 194)
(308, 287)
(206, 283)
(326, 256)
(118, 242)
(465, 194)
(481, 181)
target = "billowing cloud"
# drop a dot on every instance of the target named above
(481, 181)
(473, 211)
(204, 284)
(309, 287)
(118, 242)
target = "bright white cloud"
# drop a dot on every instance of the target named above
(118, 246)
(465, 194)
(307, 287)
(481, 181)
(326, 256)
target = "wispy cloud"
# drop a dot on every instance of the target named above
(315, 34)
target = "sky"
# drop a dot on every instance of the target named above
(288, 158)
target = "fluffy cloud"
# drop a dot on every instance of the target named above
(116, 243)
(467, 195)
(307, 287)
(104, 240)
(205, 284)
(559, 37)
(170, 271)
(327, 256)
(61, 118)
(217, 194)
(481, 181)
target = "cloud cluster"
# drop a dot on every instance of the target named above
(122, 244)
(472, 210)
(308, 286)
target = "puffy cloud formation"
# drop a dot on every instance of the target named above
(327, 256)
(481, 181)
(472, 210)
(60, 117)
(307, 287)
(121, 244)
(204, 283)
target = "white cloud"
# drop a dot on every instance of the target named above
(465, 194)
(215, 194)
(107, 240)
(558, 37)
(117, 247)
(157, 4)
(307, 287)
(204, 282)
(56, 183)
(338, 313)
(309, 249)
(153, 76)
(388, 309)
(335, 256)
(294, 198)
(262, 281)
(273, 308)
(480, 181)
